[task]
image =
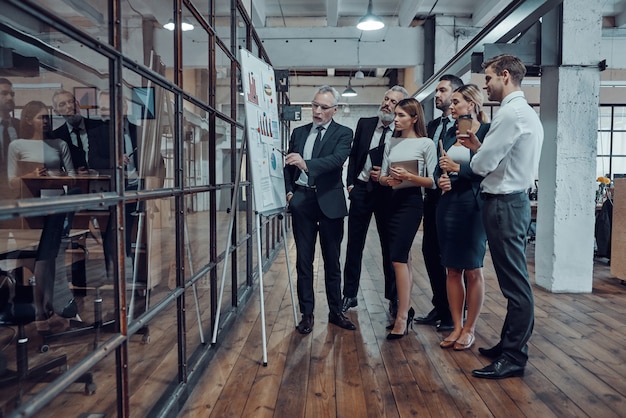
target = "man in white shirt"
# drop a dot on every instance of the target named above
(508, 160)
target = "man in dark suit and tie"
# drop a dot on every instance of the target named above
(75, 129)
(440, 314)
(368, 197)
(313, 180)
(9, 130)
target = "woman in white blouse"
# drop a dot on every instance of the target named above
(408, 165)
(34, 153)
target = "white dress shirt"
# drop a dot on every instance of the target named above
(508, 158)
(364, 175)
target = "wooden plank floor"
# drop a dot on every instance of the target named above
(577, 364)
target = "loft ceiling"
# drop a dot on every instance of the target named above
(317, 35)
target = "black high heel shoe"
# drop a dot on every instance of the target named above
(409, 322)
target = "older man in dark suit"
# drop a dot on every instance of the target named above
(368, 197)
(102, 159)
(75, 129)
(313, 171)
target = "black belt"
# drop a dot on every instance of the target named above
(489, 196)
(305, 188)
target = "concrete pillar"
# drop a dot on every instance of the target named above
(445, 42)
(569, 113)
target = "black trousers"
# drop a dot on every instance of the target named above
(506, 219)
(364, 204)
(432, 255)
(308, 222)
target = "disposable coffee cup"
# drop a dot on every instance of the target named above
(464, 124)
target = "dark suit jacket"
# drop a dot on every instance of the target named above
(466, 177)
(78, 155)
(360, 147)
(325, 169)
(432, 127)
(101, 146)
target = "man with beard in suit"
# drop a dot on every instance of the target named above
(368, 197)
(440, 314)
(313, 181)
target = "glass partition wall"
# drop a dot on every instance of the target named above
(122, 131)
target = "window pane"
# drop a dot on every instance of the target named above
(196, 59)
(604, 118)
(619, 123)
(604, 144)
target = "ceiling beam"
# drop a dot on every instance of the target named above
(487, 10)
(516, 18)
(408, 10)
(259, 14)
(620, 17)
(332, 12)
(331, 47)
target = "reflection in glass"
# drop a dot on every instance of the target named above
(195, 152)
(145, 39)
(196, 61)
(223, 96)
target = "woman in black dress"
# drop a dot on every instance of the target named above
(462, 236)
(409, 163)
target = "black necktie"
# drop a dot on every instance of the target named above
(444, 123)
(6, 139)
(376, 155)
(381, 143)
(79, 142)
(316, 150)
(318, 141)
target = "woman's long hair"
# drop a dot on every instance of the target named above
(30, 110)
(414, 108)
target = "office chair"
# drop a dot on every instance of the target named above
(20, 310)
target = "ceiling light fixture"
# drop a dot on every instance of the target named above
(359, 74)
(186, 25)
(370, 21)
(349, 91)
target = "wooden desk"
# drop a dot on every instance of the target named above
(32, 185)
(15, 240)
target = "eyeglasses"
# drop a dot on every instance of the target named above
(315, 105)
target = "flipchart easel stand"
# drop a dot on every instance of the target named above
(233, 212)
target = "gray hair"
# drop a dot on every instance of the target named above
(401, 90)
(331, 90)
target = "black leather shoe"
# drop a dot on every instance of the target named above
(340, 320)
(499, 369)
(492, 353)
(348, 303)
(430, 319)
(445, 325)
(306, 324)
